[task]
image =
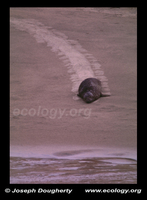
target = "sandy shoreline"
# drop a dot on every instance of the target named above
(39, 78)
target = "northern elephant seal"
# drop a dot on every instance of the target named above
(90, 90)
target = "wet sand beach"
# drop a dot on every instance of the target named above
(51, 51)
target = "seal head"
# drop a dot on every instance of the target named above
(90, 90)
(88, 97)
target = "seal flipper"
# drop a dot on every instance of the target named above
(105, 95)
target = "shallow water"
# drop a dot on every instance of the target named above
(74, 167)
(65, 171)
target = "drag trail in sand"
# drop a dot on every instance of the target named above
(74, 57)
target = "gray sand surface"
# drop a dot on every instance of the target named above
(40, 85)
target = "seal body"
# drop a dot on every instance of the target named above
(90, 90)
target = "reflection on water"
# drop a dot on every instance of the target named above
(94, 170)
